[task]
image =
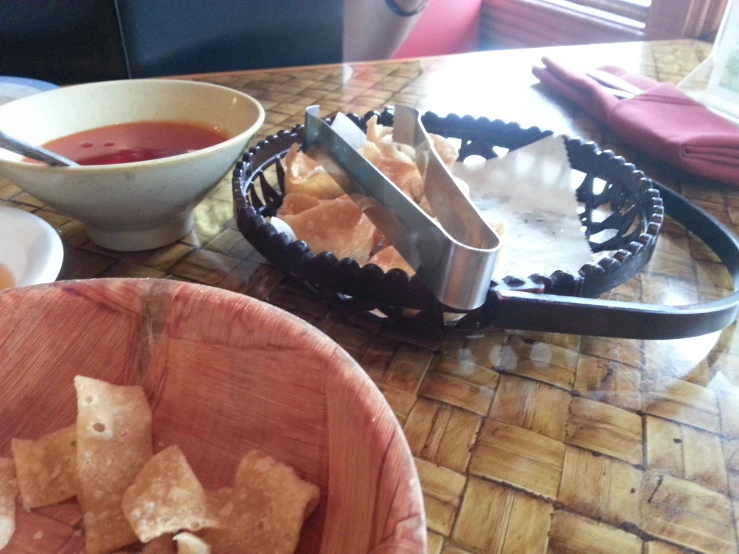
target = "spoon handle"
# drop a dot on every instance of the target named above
(35, 152)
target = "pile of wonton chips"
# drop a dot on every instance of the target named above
(155, 502)
(318, 211)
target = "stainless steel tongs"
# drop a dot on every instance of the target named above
(454, 256)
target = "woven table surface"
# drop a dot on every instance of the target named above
(525, 443)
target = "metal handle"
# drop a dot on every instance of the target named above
(456, 272)
(34, 152)
(606, 318)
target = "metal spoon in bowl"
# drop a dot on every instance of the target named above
(35, 152)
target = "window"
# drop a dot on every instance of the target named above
(627, 11)
(529, 23)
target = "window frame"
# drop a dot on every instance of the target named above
(622, 8)
(532, 23)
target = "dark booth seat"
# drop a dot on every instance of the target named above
(61, 41)
(193, 36)
(89, 40)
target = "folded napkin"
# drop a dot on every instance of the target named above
(661, 121)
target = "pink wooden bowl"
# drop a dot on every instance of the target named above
(223, 373)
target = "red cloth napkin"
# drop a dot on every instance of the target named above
(661, 121)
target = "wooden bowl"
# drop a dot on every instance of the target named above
(223, 373)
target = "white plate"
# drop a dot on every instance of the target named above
(12, 88)
(29, 247)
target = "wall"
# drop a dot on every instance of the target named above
(445, 27)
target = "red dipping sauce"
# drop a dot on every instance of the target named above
(134, 142)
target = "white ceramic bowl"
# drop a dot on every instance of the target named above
(30, 248)
(133, 206)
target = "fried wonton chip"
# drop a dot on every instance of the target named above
(380, 134)
(266, 510)
(393, 163)
(113, 444)
(187, 543)
(47, 468)
(500, 229)
(377, 132)
(446, 150)
(224, 508)
(220, 503)
(297, 202)
(337, 226)
(303, 174)
(165, 497)
(8, 495)
(389, 258)
(160, 545)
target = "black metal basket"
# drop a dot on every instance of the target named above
(635, 217)
(636, 212)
